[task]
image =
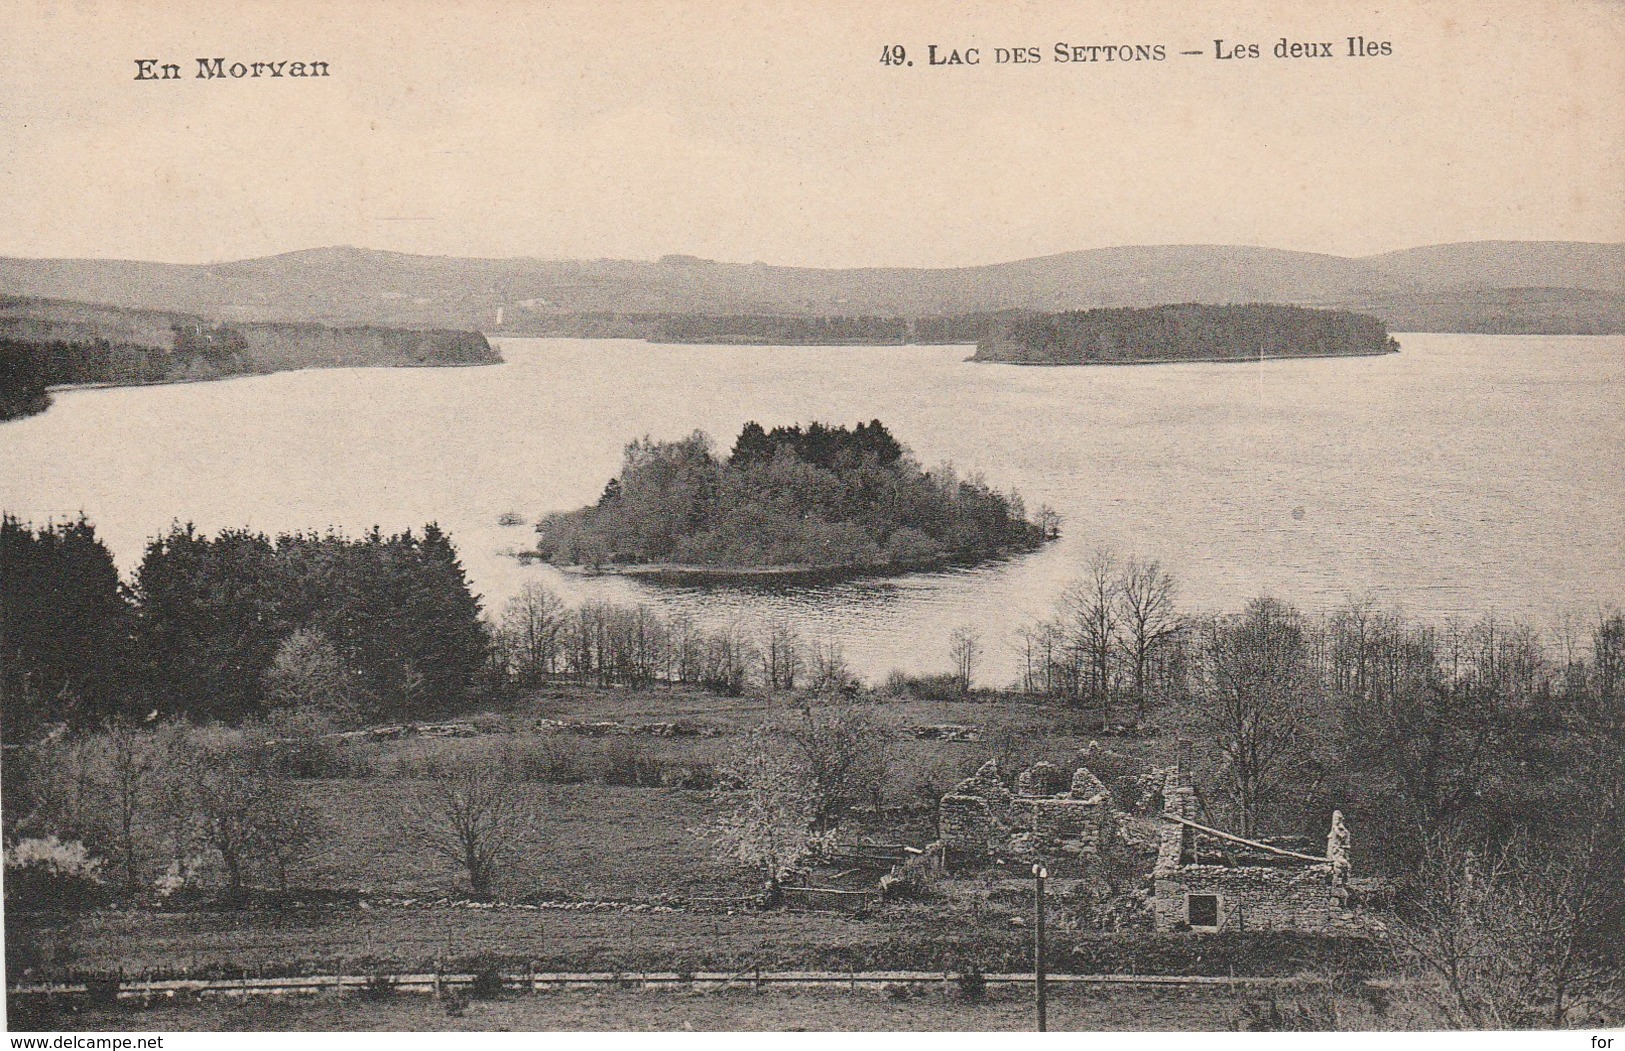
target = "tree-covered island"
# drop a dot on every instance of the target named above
(1182, 332)
(819, 501)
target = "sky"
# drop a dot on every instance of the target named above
(771, 131)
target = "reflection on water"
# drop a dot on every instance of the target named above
(1466, 473)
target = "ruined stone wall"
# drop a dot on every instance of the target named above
(1177, 801)
(981, 815)
(1062, 818)
(966, 825)
(1254, 898)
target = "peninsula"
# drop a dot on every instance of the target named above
(46, 343)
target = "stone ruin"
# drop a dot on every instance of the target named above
(1047, 814)
(1249, 885)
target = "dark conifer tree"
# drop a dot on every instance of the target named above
(209, 620)
(64, 625)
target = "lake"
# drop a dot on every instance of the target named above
(1466, 474)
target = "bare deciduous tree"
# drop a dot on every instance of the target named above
(128, 762)
(965, 651)
(1091, 610)
(225, 800)
(1521, 938)
(781, 656)
(476, 815)
(533, 624)
(1255, 701)
(1145, 595)
(843, 751)
(830, 674)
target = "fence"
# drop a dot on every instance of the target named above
(553, 980)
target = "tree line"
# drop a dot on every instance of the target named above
(539, 639)
(218, 627)
(1484, 729)
(820, 497)
(800, 330)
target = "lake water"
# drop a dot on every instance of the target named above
(1466, 474)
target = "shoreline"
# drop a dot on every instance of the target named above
(1257, 360)
(681, 573)
(56, 388)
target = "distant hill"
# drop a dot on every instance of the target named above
(1489, 286)
(49, 342)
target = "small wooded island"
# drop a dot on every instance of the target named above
(1182, 332)
(817, 503)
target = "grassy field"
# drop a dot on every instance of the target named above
(611, 841)
(926, 1008)
(599, 841)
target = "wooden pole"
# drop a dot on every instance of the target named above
(1246, 842)
(1039, 875)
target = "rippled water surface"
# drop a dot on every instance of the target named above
(1467, 473)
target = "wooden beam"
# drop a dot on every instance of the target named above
(1248, 842)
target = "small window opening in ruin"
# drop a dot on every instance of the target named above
(1202, 910)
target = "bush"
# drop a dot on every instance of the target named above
(52, 874)
(379, 987)
(923, 687)
(629, 764)
(488, 983)
(973, 986)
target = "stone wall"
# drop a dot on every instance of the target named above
(1050, 812)
(1254, 898)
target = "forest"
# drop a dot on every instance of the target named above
(825, 497)
(212, 627)
(1183, 332)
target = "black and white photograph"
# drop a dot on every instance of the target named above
(604, 516)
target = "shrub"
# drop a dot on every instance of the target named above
(973, 986)
(102, 990)
(923, 687)
(379, 987)
(49, 872)
(487, 984)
